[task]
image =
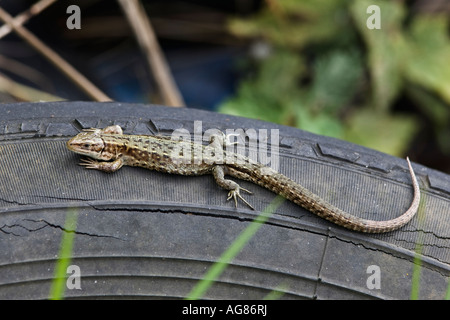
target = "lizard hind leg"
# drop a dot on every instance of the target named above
(233, 188)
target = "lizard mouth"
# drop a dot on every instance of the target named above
(71, 145)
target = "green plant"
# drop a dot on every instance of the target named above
(235, 247)
(330, 74)
(64, 256)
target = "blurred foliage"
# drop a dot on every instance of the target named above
(328, 73)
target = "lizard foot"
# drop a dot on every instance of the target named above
(236, 194)
(89, 163)
(102, 165)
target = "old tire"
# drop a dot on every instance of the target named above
(146, 234)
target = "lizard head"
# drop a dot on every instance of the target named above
(89, 143)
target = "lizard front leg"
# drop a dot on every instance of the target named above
(102, 165)
(219, 172)
(115, 129)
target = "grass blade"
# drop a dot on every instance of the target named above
(64, 256)
(238, 244)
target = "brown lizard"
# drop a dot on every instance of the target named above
(114, 149)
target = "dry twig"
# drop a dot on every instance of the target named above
(87, 86)
(149, 44)
(22, 18)
(24, 93)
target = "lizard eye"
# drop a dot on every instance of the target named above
(86, 145)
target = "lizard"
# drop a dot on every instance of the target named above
(109, 149)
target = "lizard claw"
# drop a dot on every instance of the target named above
(89, 163)
(236, 194)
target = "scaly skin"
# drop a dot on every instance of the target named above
(115, 149)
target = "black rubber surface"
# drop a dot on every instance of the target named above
(152, 235)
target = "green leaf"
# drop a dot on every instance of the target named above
(320, 123)
(436, 111)
(384, 48)
(336, 80)
(268, 95)
(293, 23)
(381, 131)
(428, 53)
